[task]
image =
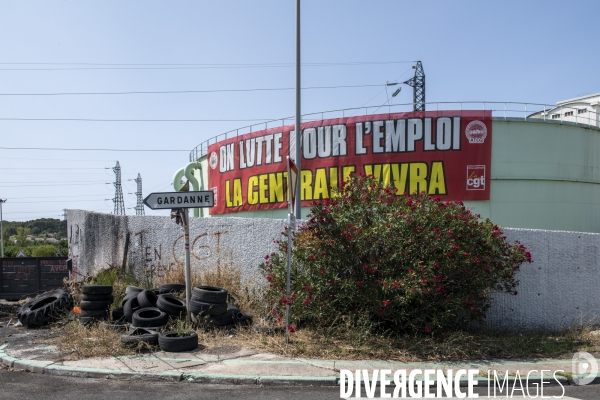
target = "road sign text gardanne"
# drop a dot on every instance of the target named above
(197, 199)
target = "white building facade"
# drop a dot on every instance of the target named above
(580, 110)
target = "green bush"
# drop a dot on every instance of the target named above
(409, 263)
(45, 250)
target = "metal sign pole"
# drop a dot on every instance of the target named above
(1, 229)
(289, 264)
(298, 155)
(188, 281)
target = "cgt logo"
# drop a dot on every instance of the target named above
(475, 177)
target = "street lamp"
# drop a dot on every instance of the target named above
(1, 230)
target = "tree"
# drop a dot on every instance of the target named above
(411, 263)
(45, 250)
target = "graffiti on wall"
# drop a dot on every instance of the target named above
(156, 261)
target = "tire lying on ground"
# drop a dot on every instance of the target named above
(128, 296)
(101, 314)
(172, 341)
(172, 288)
(130, 307)
(139, 335)
(118, 314)
(94, 305)
(171, 305)
(147, 298)
(198, 307)
(97, 297)
(149, 317)
(218, 320)
(134, 289)
(210, 294)
(45, 308)
(97, 289)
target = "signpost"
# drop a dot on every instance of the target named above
(179, 202)
(164, 201)
(292, 187)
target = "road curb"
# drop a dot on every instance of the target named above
(49, 368)
(168, 376)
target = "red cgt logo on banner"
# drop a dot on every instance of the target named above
(445, 153)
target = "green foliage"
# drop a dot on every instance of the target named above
(107, 276)
(46, 250)
(409, 263)
(53, 226)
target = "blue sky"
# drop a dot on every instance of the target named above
(533, 51)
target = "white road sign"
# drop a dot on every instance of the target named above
(198, 199)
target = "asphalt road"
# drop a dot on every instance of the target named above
(23, 385)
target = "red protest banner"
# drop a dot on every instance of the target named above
(442, 153)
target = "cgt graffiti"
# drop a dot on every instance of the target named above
(157, 263)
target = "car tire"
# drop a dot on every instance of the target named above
(97, 297)
(199, 307)
(130, 307)
(94, 305)
(149, 317)
(147, 298)
(139, 335)
(45, 308)
(97, 289)
(171, 305)
(94, 313)
(171, 341)
(172, 288)
(210, 294)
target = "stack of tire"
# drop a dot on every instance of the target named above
(45, 308)
(95, 303)
(209, 307)
(149, 311)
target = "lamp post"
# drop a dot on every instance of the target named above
(1, 230)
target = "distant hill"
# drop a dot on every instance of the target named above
(48, 226)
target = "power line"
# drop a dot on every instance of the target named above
(55, 197)
(91, 66)
(55, 159)
(44, 168)
(134, 120)
(69, 149)
(62, 184)
(204, 64)
(57, 182)
(55, 201)
(187, 91)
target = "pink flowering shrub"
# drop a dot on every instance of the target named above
(410, 263)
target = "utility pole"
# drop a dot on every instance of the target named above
(139, 207)
(2, 201)
(418, 84)
(118, 200)
(298, 112)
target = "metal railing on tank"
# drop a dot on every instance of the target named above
(505, 110)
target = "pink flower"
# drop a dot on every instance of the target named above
(427, 329)
(386, 303)
(360, 283)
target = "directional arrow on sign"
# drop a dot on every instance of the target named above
(169, 200)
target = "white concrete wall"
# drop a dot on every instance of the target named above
(97, 240)
(560, 287)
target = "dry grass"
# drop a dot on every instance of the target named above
(337, 342)
(326, 344)
(77, 341)
(227, 276)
